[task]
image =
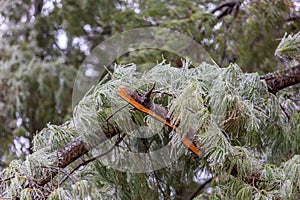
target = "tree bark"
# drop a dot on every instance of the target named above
(70, 153)
(279, 80)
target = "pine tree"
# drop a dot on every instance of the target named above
(246, 125)
(250, 141)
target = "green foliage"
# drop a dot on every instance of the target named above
(234, 129)
(250, 138)
(33, 93)
(289, 46)
(247, 38)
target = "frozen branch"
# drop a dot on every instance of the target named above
(282, 79)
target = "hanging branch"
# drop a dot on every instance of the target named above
(144, 104)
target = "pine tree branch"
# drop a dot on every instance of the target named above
(282, 79)
(76, 149)
(70, 153)
(93, 159)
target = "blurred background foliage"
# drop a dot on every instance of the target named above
(43, 43)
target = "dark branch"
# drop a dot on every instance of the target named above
(71, 152)
(200, 187)
(93, 159)
(227, 8)
(294, 18)
(282, 79)
(38, 6)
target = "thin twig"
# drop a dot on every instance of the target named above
(58, 169)
(195, 193)
(7, 179)
(116, 111)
